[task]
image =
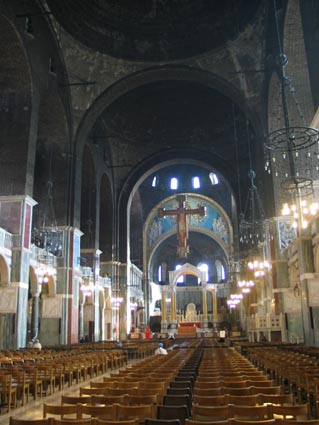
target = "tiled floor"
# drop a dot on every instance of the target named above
(33, 409)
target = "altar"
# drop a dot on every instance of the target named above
(188, 324)
(188, 329)
(194, 318)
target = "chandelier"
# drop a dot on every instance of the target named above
(234, 300)
(259, 267)
(46, 267)
(87, 288)
(116, 302)
(292, 150)
(302, 212)
(253, 226)
(245, 285)
(44, 273)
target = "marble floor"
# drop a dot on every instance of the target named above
(33, 409)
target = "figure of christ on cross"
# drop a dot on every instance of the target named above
(181, 214)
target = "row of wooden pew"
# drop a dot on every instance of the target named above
(190, 386)
(39, 374)
(298, 372)
(251, 393)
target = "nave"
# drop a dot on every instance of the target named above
(198, 383)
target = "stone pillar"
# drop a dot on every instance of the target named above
(215, 312)
(205, 304)
(16, 218)
(164, 315)
(173, 305)
(81, 317)
(35, 314)
(164, 305)
(68, 279)
(306, 269)
(102, 323)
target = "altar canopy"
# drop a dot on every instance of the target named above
(193, 316)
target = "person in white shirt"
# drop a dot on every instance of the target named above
(37, 345)
(160, 349)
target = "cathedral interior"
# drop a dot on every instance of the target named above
(147, 150)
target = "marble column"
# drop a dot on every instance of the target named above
(164, 316)
(173, 306)
(81, 316)
(164, 305)
(215, 312)
(204, 304)
(35, 315)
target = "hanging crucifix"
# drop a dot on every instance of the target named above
(181, 214)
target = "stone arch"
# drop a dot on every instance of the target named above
(4, 271)
(185, 270)
(155, 163)
(34, 286)
(49, 288)
(112, 93)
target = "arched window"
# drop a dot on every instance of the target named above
(221, 275)
(213, 178)
(196, 182)
(181, 278)
(159, 273)
(154, 181)
(203, 267)
(174, 183)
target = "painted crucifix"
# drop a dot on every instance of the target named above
(181, 213)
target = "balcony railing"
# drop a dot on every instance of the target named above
(5, 239)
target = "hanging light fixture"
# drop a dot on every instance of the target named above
(87, 288)
(254, 228)
(259, 267)
(44, 272)
(48, 236)
(245, 285)
(302, 212)
(234, 300)
(292, 151)
(116, 302)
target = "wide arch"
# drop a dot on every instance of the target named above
(4, 271)
(148, 167)
(144, 77)
(186, 269)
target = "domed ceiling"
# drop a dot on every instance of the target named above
(180, 115)
(154, 30)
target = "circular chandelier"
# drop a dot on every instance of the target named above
(301, 212)
(292, 150)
